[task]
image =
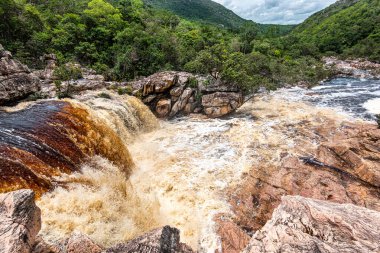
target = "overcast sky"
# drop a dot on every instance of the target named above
(276, 11)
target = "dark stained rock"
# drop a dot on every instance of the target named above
(16, 81)
(162, 240)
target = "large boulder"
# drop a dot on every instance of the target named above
(160, 240)
(163, 107)
(181, 102)
(341, 167)
(185, 92)
(302, 225)
(20, 221)
(160, 82)
(221, 103)
(16, 80)
(76, 243)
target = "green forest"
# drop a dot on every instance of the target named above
(128, 39)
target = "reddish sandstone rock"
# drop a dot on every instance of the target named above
(233, 238)
(301, 225)
(20, 221)
(348, 172)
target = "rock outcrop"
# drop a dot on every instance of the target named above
(78, 243)
(174, 93)
(20, 222)
(221, 103)
(343, 168)
(356, 68)
(16, 80)
(302, 225)
(164, 239)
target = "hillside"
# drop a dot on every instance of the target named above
(200, 10)
(348, 27)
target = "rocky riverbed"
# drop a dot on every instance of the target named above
(291, 171)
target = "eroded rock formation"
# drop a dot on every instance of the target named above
(160, 240)
(342, 168)
(359, 68)
(20, 222)
(16, 80)
(173, 93)
(302, 225)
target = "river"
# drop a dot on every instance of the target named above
(184, 168)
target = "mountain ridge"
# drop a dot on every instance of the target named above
(200, 10)
(348, 27)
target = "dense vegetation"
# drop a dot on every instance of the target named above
(348, 27)
(126, 39)
(200, 10)
(207, 11)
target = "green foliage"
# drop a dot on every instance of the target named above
(104, 95)
(127, 39)
(192, 82)
(200, 10)
(350, 27)
(125, 90)
(68, 72)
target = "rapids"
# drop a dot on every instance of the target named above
(359, 98)
(183, 170)
(184, 167)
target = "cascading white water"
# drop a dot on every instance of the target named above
(183, 170)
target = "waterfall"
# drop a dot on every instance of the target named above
(42, 141)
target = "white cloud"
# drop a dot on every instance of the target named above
(276, 11)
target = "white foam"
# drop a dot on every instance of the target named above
(373, 106)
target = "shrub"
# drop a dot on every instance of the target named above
(104, 95)
(124, 90)
(63, 93)
(36, 96)
(192, 82)
(68, 72)
(378, 120)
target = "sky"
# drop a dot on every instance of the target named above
(276, 11)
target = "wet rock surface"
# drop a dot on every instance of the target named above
(306, 225)
(16, 80)
(51, 138)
